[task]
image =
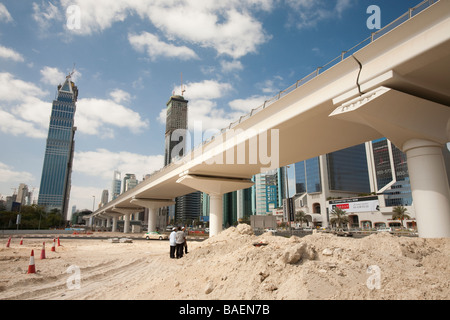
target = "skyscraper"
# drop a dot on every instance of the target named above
(116, 183)
(55, 185)
(187, 207)
(176, 124)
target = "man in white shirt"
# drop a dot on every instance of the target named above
(180, 238)
(173, 243)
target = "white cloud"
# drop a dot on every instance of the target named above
(206, 90)
(12, 89)
(14, 126)
(230, 66)
(149, 43)
(120, 96)
(307, 14)
(96, 116)
(5, 16)
(102, 163)
(246, 105)
(45, 13)
(10, 54)
(22, 110)
(225, 26)
(8, 174)
(52, 76)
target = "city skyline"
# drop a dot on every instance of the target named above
(127, 66)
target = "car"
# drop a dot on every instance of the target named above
(343, 233)
(270, 230)
(385, 229)
(155, 235)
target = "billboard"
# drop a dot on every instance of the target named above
(354, 205)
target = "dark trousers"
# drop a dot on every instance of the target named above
(172, 251)
(180, 247)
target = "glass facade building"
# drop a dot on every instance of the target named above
(55, 184)
(391, 173)
(268, 191)
(348, 171)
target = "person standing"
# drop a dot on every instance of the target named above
(186, 233)
(173, 243)
(180, 238)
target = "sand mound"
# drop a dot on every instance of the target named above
(319, 266)
(236, 264)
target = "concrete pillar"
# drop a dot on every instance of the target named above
(126, 225)
(114, 224)
(153, 205)
(152, 219)
(215, 187)
(215, 214)
(108, 222)
(429, 186)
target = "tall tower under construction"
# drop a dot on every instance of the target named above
(55, 185)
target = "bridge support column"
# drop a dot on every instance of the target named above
(127, 212)
(420, 128)
(215, 214)
(114, 224)
(215, 187)
(153, 205)
(429, 186)
(126, 223)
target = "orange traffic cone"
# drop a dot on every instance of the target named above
(31, 267)
(53, 247)
(43, 251)
(59, 244)
(21, 241)
(9, 242)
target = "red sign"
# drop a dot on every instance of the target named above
(343, 206)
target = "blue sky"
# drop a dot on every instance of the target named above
(129, 56)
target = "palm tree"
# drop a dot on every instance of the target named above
(339, 217)
(399, 213)
(300, 216)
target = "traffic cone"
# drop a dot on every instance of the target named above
(59, 244)
(53, 247)
(43, 251)
(9, 242)
(31, 266)
(21, 241)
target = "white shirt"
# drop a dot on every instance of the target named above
(172, 238)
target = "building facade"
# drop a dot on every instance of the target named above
(55, 184)
(116, 184)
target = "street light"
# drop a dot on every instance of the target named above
(93, 204)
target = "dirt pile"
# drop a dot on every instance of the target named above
(319, 266)
(233, 265)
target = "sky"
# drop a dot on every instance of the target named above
(129, 56)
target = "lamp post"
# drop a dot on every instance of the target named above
(93, 203)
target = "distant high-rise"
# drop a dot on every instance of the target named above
(176, 124)
(187, 207)
(116, 183)
(55, 185)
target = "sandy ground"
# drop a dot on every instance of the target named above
(229, 266)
